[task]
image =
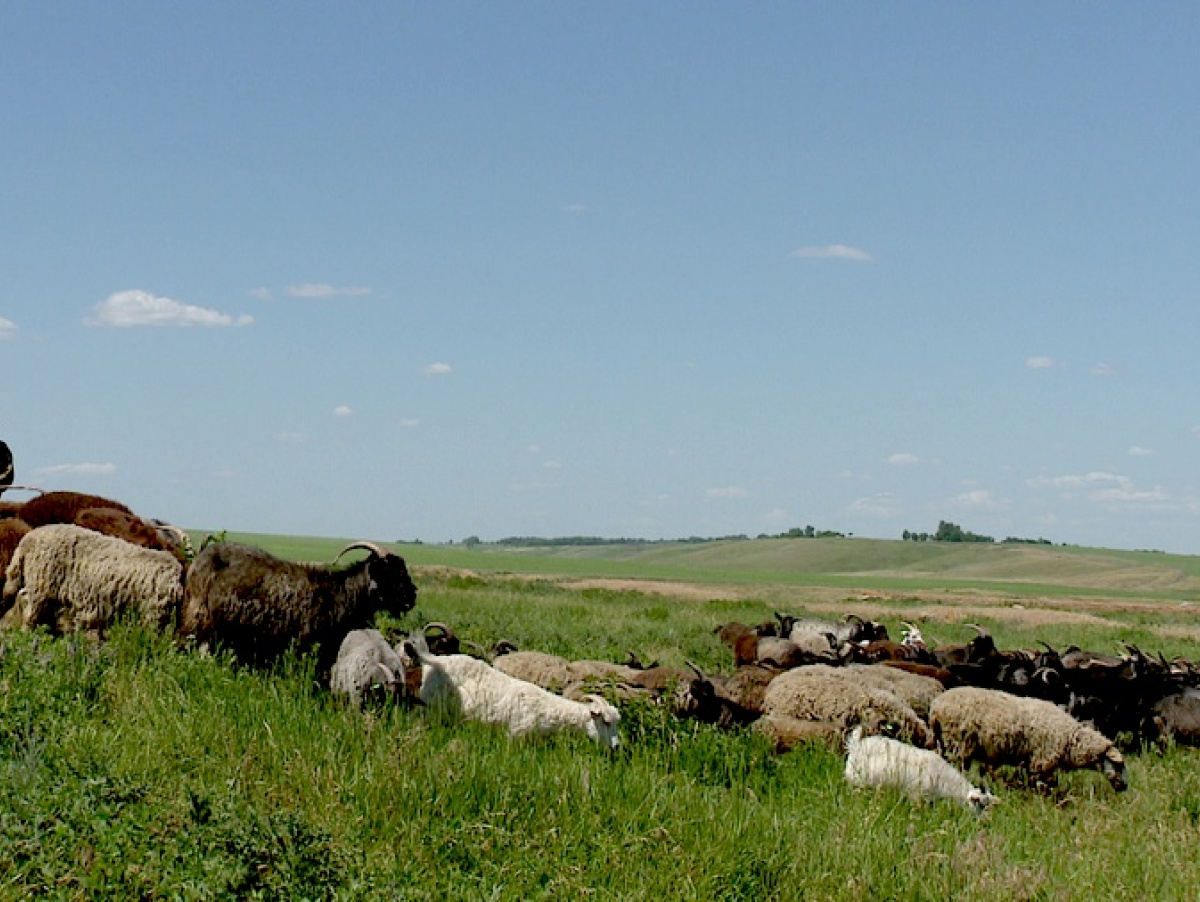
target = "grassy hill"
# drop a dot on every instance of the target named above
(1023, 570)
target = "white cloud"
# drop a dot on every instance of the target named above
(262, 294)
(884, 505)
(978, 499)
(438, 369)
(1139, 451)
(1078, 481)
(1104, 488)
(311, 290)
(1039, 363)
(343, 410)
(552, 465)
(1103, 369)
(904, 459)
(140, 308)
(833, 252)
(410, 423)
(731, 491)
(7, 328)
(84, 469)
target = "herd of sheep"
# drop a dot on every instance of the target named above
(907, 715)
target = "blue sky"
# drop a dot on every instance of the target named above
(401, 270)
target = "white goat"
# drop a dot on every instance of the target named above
(878, 761)
(478, 691)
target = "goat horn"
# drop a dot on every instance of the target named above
(387, 672)
(375, 549)
(699, 672)
(438, 625)
(480, 651)
(979, 629)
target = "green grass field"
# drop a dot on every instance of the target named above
(135, 770)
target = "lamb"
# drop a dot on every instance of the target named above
(257, 605)
(475, 690)
(823, 693)
(878, 761)
(69, 578)
(367, 665)
(786, 733)
(994, 727)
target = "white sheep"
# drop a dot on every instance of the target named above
(994, 727)
(366, 665)
(832, 694)
(476, 690)
(70, 578)
(878, 761)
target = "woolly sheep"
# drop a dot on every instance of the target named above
(994, 727)
(64, 507)
(67, 578)
(786, 732)
(478, 691)
(556, 673)
(367, 665)
(823, 693)
(878, 761)
(918, 691)
(258, 605)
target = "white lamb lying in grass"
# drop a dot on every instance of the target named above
(879, 761)
(476, 690)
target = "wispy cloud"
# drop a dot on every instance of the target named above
(320, 290)
(127, 309)
(343, 410)
(731, 491)
(1103, 369)
(291, 438)
(1103, 487)
(410, 423)
(83, 469)
(576, 208)
(438, 369)
(885, 505)
(7, 328)
(1139, 451)
(833, 252)
(978, 499)
(904, 459)
(1039, 363)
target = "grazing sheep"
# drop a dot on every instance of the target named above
(823, 693)
(69, 578)
(994, 727)
(878, 761)
(478, 691)
(917, 690)
(367, 665)
(258, 606)
(556, 673)
(786, 732)
(699, 698)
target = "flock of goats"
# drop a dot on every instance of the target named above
(907, 715)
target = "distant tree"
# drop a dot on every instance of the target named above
(471, 541)
(952, 532)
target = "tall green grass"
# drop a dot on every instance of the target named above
(134, 769)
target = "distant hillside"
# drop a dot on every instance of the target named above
(850, 562)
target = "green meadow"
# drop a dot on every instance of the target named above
(135, 769)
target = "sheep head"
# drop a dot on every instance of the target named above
(1112, 765)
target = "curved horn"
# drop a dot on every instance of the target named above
(698, 671)
(374, 548)
(387, 672)
(1046, 645)
(979, 629)
(438, 625)
(480, 651)
(854, 617)
(504, 647)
